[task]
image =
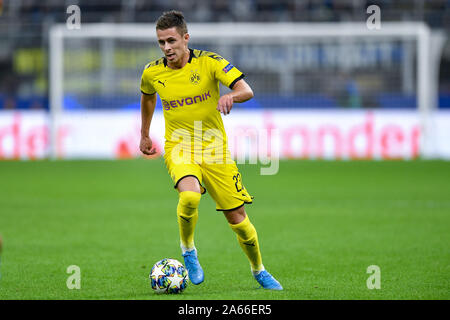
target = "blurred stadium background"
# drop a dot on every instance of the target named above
(369, 87)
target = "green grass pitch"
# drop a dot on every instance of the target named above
(320, 225)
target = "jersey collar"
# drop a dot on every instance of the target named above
(191, 55)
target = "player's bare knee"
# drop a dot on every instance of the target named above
(189, 183)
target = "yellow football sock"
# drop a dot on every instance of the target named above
(187, 213)
(248, 240)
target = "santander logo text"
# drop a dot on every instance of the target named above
(26, 135)
(368, 135)
(284, 134)
(22, 139)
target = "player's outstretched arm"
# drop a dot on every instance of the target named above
(148, 103)
(240, 92)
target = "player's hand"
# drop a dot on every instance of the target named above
(146, 146)
(225, 104)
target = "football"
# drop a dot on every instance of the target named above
(168, 276)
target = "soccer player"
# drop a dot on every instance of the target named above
(196, 152)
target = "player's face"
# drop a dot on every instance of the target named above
(173, 45)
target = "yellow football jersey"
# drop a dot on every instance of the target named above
(189, 98)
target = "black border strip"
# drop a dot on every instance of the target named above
(148, 94)
(245, 202)
(191, 55)
(223, 309)
(236, 80)
(190, 175)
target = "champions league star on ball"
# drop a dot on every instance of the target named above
(168, 276)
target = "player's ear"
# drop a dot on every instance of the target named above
(186, 36)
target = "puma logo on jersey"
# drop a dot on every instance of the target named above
(163, 83)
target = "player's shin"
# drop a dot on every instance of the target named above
(187, 213)
(248, 240)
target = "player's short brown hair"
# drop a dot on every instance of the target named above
(170, 19)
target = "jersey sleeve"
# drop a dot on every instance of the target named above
(146, 84)
(225, 72)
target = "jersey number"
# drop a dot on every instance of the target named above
(238, 182)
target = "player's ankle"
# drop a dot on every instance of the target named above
(256, 271)
(185, 249)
